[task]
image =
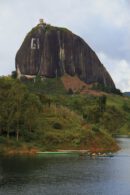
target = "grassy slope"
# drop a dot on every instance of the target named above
(72, 132)
(75, 132)
(63, 126)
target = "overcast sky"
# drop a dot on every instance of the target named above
(103, 24)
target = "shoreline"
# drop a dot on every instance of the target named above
(36, 151)
(79, 152)
(24, 149)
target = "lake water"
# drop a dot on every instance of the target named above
(67, 174)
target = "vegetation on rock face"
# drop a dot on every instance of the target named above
(36, 115)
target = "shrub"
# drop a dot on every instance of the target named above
(2, 140)
(76, 142)
(57, 125)
(95, 128)
(70, 91)
(126, 107)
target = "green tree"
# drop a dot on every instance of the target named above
(112, 119)
(6, 110)
(16, 96)
(102, 103)
(31, 111)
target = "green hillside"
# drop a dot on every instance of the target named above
(43, 116)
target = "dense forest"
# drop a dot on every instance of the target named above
(44, 116)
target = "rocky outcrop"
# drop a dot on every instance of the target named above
(52, 52)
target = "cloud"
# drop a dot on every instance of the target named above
(119, 69)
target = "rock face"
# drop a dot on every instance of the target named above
(52, 52)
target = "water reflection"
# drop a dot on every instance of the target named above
(66, 174)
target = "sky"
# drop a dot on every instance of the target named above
(103, 24)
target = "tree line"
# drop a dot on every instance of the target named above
(19, 109)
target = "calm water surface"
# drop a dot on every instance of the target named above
(67, 175)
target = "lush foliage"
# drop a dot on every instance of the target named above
(20, 110)
(107, 89)
(42, 114)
